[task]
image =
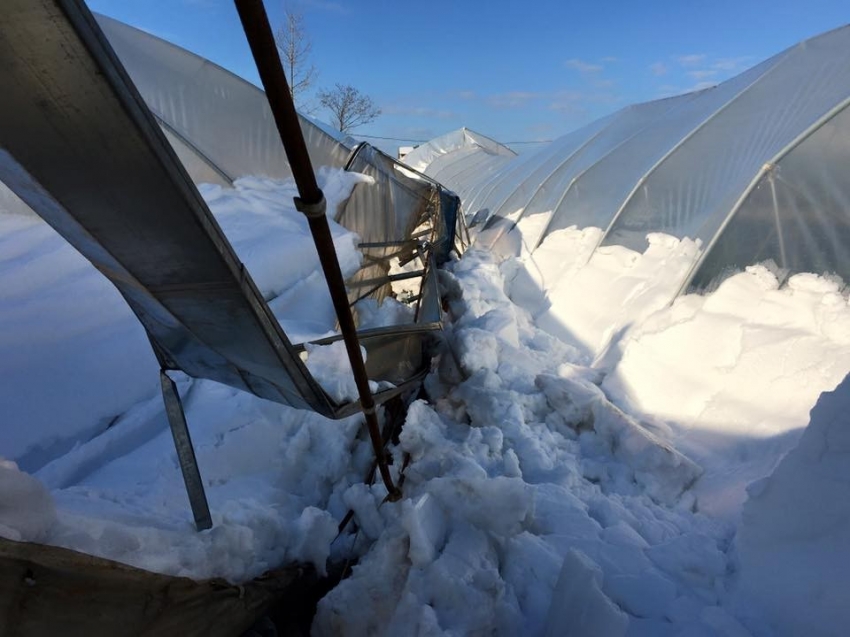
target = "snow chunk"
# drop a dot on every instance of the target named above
(27, 511)
(426, 526)
(330, 366)
(579, 607)
(661, 470)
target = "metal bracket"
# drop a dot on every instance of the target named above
(185, 452)
(317, 209)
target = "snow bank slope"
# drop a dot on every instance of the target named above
(735, 373)
(69, 366)
(73, 357)
(728, 378)
(794, 541)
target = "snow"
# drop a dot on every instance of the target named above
(82, 378)
(794, 541)
(734, 374)
(580, 465)
(73, 358)
(531, 510)
(26, 510)
(727, 378)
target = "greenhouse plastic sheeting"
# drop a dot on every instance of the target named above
(605, 186)
(387, 214)
(421, 157)
(754, 169)
(215, 120)
(696, 187)
(163, 249)
(116, 190)
(620, 129)
(508, 199)
(797, 217)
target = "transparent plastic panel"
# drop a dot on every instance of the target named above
(477, 172)
(600, 192)
(522, 183)
(797, 218)
(200, 170)
(453, 175)
(390, 208)
(630, 122)
(226, 119)
(421, 157)
(481, 191)
(693, 190)
(482, 174)
(444, 162)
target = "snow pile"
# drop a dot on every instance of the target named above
(735, 373)
(527, 494)
(589, 298)
(73, 357)
(330, 366)
(81, 404)
(794, 540)
(726, 378)
(552, 485)
(273, 240)
(270, 473)
(26, 508)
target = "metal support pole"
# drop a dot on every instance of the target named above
(185, 452)
(311, 202)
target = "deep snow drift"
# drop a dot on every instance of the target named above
(727, 378)
(579, 467)
(794, 541)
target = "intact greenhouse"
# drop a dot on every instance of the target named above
(752, 168)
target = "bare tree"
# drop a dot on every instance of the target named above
(349, 107)
(295, 48)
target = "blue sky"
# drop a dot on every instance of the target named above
(516, 71)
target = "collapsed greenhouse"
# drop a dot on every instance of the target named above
(698, 242)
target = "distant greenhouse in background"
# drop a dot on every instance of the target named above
(755, 169)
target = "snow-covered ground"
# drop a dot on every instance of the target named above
(580, 467)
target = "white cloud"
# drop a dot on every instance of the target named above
(417, 111)
(691, 59)
(512, 99)
(659, 68)
(702, 74)
(582, 66)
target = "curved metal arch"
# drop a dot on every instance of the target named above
(643, 179)
(613, 117)
(576, 178)
(766, 168)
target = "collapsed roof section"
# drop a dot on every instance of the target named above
(83, 149)
(754, 168)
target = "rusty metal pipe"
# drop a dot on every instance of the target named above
(311, 202)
